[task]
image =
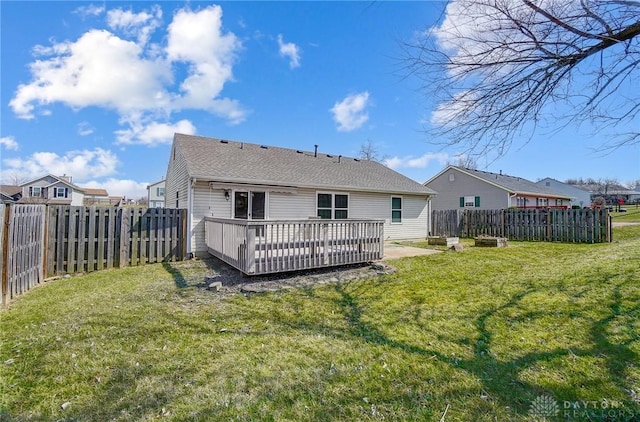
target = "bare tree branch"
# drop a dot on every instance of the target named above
(498, 67)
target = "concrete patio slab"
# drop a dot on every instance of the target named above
(394, 251)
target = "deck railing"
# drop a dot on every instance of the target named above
(271, 246)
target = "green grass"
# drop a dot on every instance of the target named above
(632, 214)
(480, 334)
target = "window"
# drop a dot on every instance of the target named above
(59, 192)
(159, 191)
(469, 202)
(333, 205)
(396, 209)
(36, 191)
(452, 177)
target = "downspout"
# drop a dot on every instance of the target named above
(190, 188)
(510, 197)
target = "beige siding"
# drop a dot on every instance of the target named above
(177, 180)
(206, 202)
(415, 214)
(302, 205)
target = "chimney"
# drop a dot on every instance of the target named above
(315, 154)
(65, 178)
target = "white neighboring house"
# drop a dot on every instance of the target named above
(53, 190)
(580, 197)
(155, 194)
(239, 180)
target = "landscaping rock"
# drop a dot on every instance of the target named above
(216, 286)
(443, 240)
(457, 248)
(490, 241)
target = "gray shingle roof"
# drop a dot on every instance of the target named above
(513, 183)
(232, 161)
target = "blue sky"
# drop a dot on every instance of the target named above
(96, 90)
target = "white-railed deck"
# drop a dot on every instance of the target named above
(272, 246)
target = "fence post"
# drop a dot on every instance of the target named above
(4, 243)
(123, 244)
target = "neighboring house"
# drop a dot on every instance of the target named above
(155, 194)
(579, 196)
(10, 194)
(55, 190)
(228, 179)
(460, 187)
(613, 193)
(93, 197)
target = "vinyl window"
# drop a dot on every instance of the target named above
(396, 209)
(332, 205)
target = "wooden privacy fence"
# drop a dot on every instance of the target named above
(40, 241)
(23, 248)
(550, 225)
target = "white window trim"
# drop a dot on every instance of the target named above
(33, 191)
(473, 201)
(232, 199)
(56, 192)
(333, 203)
(401, 210)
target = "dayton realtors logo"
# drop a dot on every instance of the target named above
(545, 407)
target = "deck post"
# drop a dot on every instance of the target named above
(325, 244)
(250, 258)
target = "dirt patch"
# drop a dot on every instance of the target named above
(203, 272)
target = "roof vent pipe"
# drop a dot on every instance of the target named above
(339, 157)
(315, 154)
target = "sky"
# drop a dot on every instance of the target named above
(96, 90)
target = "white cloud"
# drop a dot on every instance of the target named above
(90, 10)
(132, 77)
(120, 187)
(82, 73)
(421, 162)
(350, 114)
(197, 38)
(153, 133)
(291, 51)
(140, 25)
(85, 129)
(9, 143)
(81, 164)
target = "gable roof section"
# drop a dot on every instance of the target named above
(241, 162)
(511, 184)
(10, 190)
(96, 192)
(57, 180)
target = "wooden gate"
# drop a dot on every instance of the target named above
(23, 249)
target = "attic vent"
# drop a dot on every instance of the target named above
(355, 159)
(329, 156)
(264, 147)
(299, 152)
(222, 141)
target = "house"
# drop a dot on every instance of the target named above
(460, 187)
(155, 194)
(10, 194)
(579, 197)
(93, 197)
(55, 190)
(248, 183)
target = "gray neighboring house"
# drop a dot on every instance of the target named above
(155, 194)
(230, 179)
(460, 187)
(580, 197)
(52, 190)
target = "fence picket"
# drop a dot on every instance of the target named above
(571, 226)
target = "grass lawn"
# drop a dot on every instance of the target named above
(478, 335)
(632, 214)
